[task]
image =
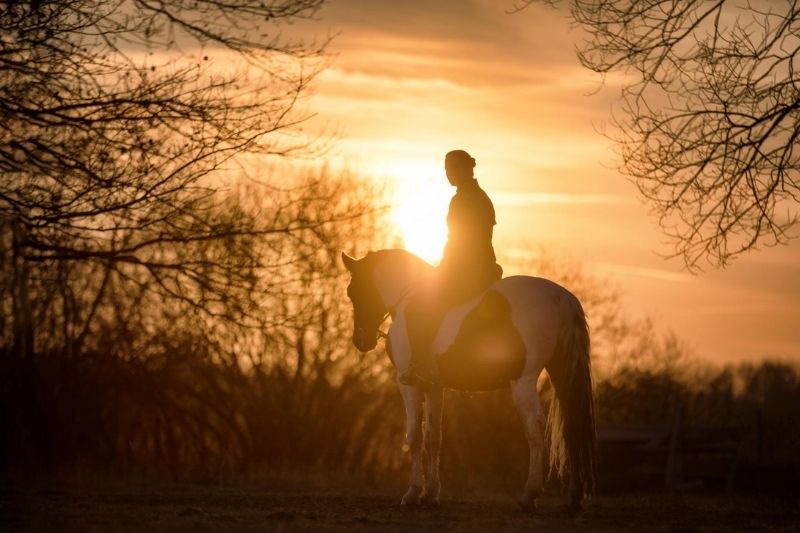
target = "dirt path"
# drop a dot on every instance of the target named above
(204, 508)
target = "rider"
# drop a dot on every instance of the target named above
(468, 266)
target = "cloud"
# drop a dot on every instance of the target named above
(476, 42)
(644, 272)
(514, 199)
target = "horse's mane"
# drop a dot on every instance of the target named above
(397, 264)
(400, 257)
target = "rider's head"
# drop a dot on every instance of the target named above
(458, 165)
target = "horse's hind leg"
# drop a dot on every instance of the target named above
(433, 444)
(412, 399)
(526, 399)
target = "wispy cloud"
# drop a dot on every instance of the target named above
(538, 198)
(645, 272)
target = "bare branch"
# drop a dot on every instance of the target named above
(710, 117)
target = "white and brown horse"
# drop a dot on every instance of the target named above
(508, 335)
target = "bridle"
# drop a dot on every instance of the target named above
(391, 310)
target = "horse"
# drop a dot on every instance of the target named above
(519, 326)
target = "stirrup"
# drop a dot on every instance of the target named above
(412, 376)
(428, 375)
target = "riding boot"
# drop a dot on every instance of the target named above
(407, 376)
(421, 368)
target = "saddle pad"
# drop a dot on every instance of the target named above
(487, 351)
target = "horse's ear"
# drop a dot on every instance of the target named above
(349, 262)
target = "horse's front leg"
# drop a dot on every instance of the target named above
(433, 444)
(412, 399)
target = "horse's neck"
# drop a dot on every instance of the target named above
(394, 282)
(393, 289)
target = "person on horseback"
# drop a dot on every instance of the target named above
(468, 266)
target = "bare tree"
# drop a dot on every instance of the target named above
(709, 124)
(119, 122)
(235, 396)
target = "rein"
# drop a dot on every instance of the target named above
(384, 334)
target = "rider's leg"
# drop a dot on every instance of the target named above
(447, 288)
(423, 315)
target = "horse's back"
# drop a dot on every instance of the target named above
(532, 296)
(539, 308)
(530, 285)
(509, 330)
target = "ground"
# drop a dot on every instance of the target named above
(148, 506)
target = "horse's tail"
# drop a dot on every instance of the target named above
(570, 424)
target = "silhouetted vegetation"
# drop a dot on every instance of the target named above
(184, 400)
(161, 387)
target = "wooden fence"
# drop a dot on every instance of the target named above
(673, 455)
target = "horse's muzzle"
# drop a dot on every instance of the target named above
(365, 342)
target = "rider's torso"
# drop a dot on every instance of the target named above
(470, 223)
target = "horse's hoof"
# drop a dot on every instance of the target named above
(527, 505)
(412, 497)
(430, 500)
(527, 501)
(574, 508)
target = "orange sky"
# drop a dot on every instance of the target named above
(411, 80)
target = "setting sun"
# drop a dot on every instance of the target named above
(422, 196)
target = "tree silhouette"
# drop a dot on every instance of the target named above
(120, 122)
(710, 115)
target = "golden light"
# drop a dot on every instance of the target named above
(422, 196)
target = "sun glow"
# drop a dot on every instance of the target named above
(422, 195)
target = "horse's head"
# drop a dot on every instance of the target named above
(369, 309)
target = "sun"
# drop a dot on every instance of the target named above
(420, 208)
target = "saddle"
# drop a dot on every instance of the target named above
(485, 326)
(487, 351)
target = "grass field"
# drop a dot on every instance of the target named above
(155, 507)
